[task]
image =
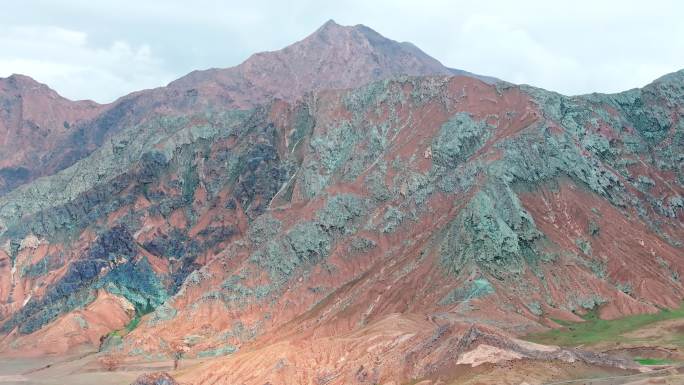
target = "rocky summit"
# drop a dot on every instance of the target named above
(346, 210)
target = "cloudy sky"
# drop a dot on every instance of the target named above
(104, 49)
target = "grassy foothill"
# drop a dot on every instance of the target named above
(595, 330)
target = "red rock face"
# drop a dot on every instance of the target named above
(628, 248)
(74, 332)
(34, 120)
(378, 234)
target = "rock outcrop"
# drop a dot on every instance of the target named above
(159, 378)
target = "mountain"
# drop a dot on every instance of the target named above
(44, 133)
(333, 57)
(33, 121)
(419, 227)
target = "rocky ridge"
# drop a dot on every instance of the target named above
(42, 133)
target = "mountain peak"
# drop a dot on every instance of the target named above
(21, 82)
(18, 84)
(329, 25)
(19, 77)
(332, 57)
(331, 31)
(34, 120)
(334, 34)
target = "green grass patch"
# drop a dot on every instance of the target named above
(133, 323)
(653, 361)
(595, 330)
(139, 313)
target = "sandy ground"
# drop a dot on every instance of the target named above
(77, 370)
(85, 370)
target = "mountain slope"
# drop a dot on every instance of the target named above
(396, 231)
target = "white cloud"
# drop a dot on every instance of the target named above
(103, 49)
(508, 49)
(63, 59)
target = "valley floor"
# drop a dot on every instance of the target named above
(86, 370)
(77, 370)
(655, 340)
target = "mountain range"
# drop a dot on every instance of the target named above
(346, 210)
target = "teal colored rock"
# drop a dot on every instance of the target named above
(476, 288)
(339, 211)
(264, 228)
(163, 312)
(535, 308)
(137, 283)
(217, 352)
(361, 245)
(458, 139)
(392, 218)
(488, 235)
(310, 242)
